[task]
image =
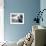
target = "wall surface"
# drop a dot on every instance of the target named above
(29, 8)
(1, 20)
(43, 6)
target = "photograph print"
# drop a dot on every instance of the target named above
(16, 18)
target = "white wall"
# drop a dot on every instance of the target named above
(43, 6)
(1, 21)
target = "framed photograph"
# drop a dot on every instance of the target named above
(16, 18)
